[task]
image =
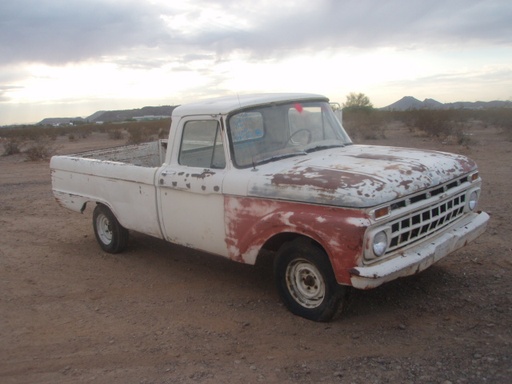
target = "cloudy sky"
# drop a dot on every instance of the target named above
(67, 58)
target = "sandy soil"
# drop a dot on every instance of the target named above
(160, 313)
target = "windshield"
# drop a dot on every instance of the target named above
(271, 132)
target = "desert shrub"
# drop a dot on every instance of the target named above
(461, 135)
(12, 146)
(435, 123)
(83, 132)
(137, 135)
(364, 123)
(41, 149)
(115, 134)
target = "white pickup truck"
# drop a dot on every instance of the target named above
(277, 172)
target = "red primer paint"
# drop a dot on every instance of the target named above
(251, 222)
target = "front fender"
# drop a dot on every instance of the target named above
(251, 222)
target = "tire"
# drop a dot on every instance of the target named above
(111, 236)
(306, 282)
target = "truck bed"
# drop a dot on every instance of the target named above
(122, 178)
(150, 154)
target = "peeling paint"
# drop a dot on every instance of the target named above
(357, 176)
(251, 222)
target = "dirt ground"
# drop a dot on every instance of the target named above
(160, 313)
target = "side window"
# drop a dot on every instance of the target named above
(201, 145)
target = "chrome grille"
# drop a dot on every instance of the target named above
(416, 225)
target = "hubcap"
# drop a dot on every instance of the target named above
(104, 229)
(305, 283)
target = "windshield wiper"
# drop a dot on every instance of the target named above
(258, 160)
(324, 146)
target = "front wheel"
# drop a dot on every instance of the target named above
(306, 282)
(111, 236)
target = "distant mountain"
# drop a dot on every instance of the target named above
(123, 115)
(404, 104)
(408, 103)
(161, 112)
(61, 120)
(95, 115)
(165, 111)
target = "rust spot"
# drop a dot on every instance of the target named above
(188, 185)
(174, 183)
(324, 179)
(203, 187)
(216, 188)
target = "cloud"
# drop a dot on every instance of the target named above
(4, 90)
(57, 31)
(286, 27)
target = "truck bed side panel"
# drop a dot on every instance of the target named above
(150, 154)
(128, 190)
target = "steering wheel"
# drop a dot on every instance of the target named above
(310, 136)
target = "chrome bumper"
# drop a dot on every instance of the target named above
(421, 256)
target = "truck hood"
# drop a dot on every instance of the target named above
(356, 176)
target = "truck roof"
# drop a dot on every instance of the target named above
(226, 104)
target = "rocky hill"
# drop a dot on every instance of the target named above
(409, 102)
(129, 114)
(148, 113)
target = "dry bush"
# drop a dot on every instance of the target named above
(12, 146)
(137, 135)
(41, 149)
(462, 135)
(82, 132)
(367, 124)
(503, 120)
(115, 134)
(435, 123)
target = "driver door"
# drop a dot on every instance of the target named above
(190, 188)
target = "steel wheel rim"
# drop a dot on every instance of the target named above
(305, 283)
(104, 229)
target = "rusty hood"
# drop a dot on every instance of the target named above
(356, 176)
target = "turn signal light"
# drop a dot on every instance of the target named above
(381, 212)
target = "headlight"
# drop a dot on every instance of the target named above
(380, 243)
(473, 200)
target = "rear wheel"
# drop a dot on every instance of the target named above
(111, 236)
(306, 282)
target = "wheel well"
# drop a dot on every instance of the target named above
(84, 206)
(274, 243)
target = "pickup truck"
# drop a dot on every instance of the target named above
(277, 173)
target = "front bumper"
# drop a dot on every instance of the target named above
(421, 256)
